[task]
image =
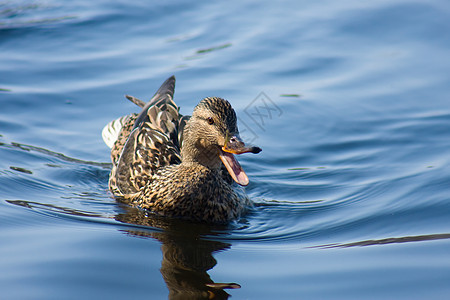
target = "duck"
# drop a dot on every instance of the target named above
(179, 166)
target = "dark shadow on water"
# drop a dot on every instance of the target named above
(53, 208)
(187, 255)
(57, 155)
(394, 240)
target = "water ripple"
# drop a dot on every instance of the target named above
(76, 190)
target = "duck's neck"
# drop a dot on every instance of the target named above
(195, 151)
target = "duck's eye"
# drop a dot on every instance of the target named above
(210, 121)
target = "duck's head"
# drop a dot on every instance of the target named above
(212, 136)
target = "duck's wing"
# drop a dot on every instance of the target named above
(147, 141)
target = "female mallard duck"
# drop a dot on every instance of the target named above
(177, 165)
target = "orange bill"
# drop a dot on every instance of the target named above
(236, 146)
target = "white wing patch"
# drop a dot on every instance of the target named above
(111, 131)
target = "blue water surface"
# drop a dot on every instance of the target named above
(349, 100)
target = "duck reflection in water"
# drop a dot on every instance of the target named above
(186, 254)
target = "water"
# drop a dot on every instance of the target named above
(348, 100)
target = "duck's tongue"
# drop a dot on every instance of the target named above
(234, 168)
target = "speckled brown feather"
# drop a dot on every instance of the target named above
(147, 169)
(147, 141)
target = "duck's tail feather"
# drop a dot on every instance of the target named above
(135, 100)
(111, 131)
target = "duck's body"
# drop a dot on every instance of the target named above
(177, 165)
